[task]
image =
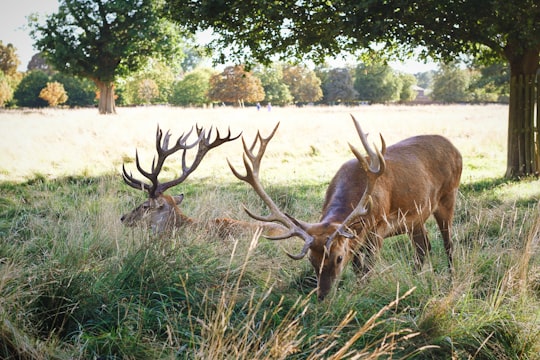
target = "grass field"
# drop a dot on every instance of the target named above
(76, 284)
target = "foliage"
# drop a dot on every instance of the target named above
(491, 84)
(37, 62)
(450, 84)
(9, 61)
(156, 72)
(275, 90)
(407, 82)
(376, 83)
(192, 90)
(6, 92)
(492, 31)
(338, 86)
(54, 93)
(81, 91)
(303, 83)
(27, 93)
(118, 38)
(235, 85)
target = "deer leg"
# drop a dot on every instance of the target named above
(444, 216)
(421, 243)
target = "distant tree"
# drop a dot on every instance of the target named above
(275, 90)
(425, 79)
(407, 82)
(192, 90)
(27, 93)
(148, 91)
(376, 83)
(303, 83)
(81, 91)
(37, 62)
(9, 61)
(54, 94)
(6, 92)
(338, 86)
(450, 84)
(104, 40)
(235, 85)
(161, 73)
(491, 83)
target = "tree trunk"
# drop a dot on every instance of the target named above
(106, 103)
(523, 152)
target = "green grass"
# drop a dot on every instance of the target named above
(76, 284)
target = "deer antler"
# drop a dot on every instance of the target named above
(276, 215)
(373, 170)
(163, 151)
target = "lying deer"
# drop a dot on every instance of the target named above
(389, 192)
(161, 212)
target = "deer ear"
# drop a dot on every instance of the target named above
(178, 198)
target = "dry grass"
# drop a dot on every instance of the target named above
(65, 142)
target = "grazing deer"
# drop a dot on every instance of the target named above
(161, 212)
(389, 192)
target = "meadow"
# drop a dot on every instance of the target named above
(76, 284)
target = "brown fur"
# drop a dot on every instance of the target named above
(163, 215)
(421, 178)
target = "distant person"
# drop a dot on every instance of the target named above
(258, 106)
(269, 107)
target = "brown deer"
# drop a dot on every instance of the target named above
(388, 192)
(161, 212)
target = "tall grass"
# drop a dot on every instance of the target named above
(75, 284)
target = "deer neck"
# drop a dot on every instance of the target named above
(175, 217)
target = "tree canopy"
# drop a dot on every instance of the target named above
(441, 29)
(101, 40)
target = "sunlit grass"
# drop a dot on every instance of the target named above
(76, 284)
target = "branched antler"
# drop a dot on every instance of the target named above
(252, 163)
(203, 144)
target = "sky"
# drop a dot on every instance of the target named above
(14, 30)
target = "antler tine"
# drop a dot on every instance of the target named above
(377, 163)
(204, 145)
(374, 170)
(131, 181)
(252, 164)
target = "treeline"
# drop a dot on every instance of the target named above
(281, 84)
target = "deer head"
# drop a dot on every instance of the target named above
(161, 212)
(327, 242)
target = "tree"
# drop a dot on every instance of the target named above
(235, 85)
(37, 62)
(6, 92)
(103, 40)
(54, 94)
(9, 61)
(161, 74)
(486, 30)
(338, 86)
(192, 90)
(450, 84)
(303, 83)
(147, 91)
(80, 91)
(275, 90)
(27, 93)
(407, 82)
(376, 83)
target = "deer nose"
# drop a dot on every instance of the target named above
(123, 218)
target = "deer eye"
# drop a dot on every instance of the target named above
(339, 259)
